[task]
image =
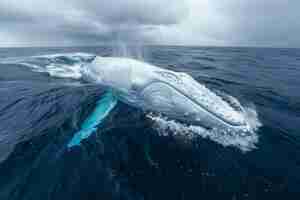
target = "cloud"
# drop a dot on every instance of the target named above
(256, 22)
(176, 22)
(237, 23)
(269, 23)
(84, 22)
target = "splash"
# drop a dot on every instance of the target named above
(65, 65)
(244, 140)
(89, 126)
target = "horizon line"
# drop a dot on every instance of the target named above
(178, 45)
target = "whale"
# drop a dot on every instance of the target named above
(177, 95)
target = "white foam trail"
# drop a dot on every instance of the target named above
(244, 140)
(52, 65)
(34, 68)
(78, 56)
(64, 71)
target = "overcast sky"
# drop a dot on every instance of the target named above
(172, 22)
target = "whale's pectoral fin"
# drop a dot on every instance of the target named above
(103, 107)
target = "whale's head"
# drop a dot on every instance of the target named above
(179, 96)
(174, 94)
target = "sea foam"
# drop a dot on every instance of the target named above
(244, 140)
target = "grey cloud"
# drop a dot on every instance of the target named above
(84, 21)
(149, 12)
(263, 23)
(181, 22)
(238, 23)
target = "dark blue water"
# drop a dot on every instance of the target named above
(41, 107)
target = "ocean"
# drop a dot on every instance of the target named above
(131, 154)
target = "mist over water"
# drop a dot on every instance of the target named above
(123, 49)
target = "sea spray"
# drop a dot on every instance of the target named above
(122, 49)
(245, 141)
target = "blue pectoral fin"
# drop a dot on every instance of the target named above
(89, 126)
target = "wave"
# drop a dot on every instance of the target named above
(244, 140)
(31, 109)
